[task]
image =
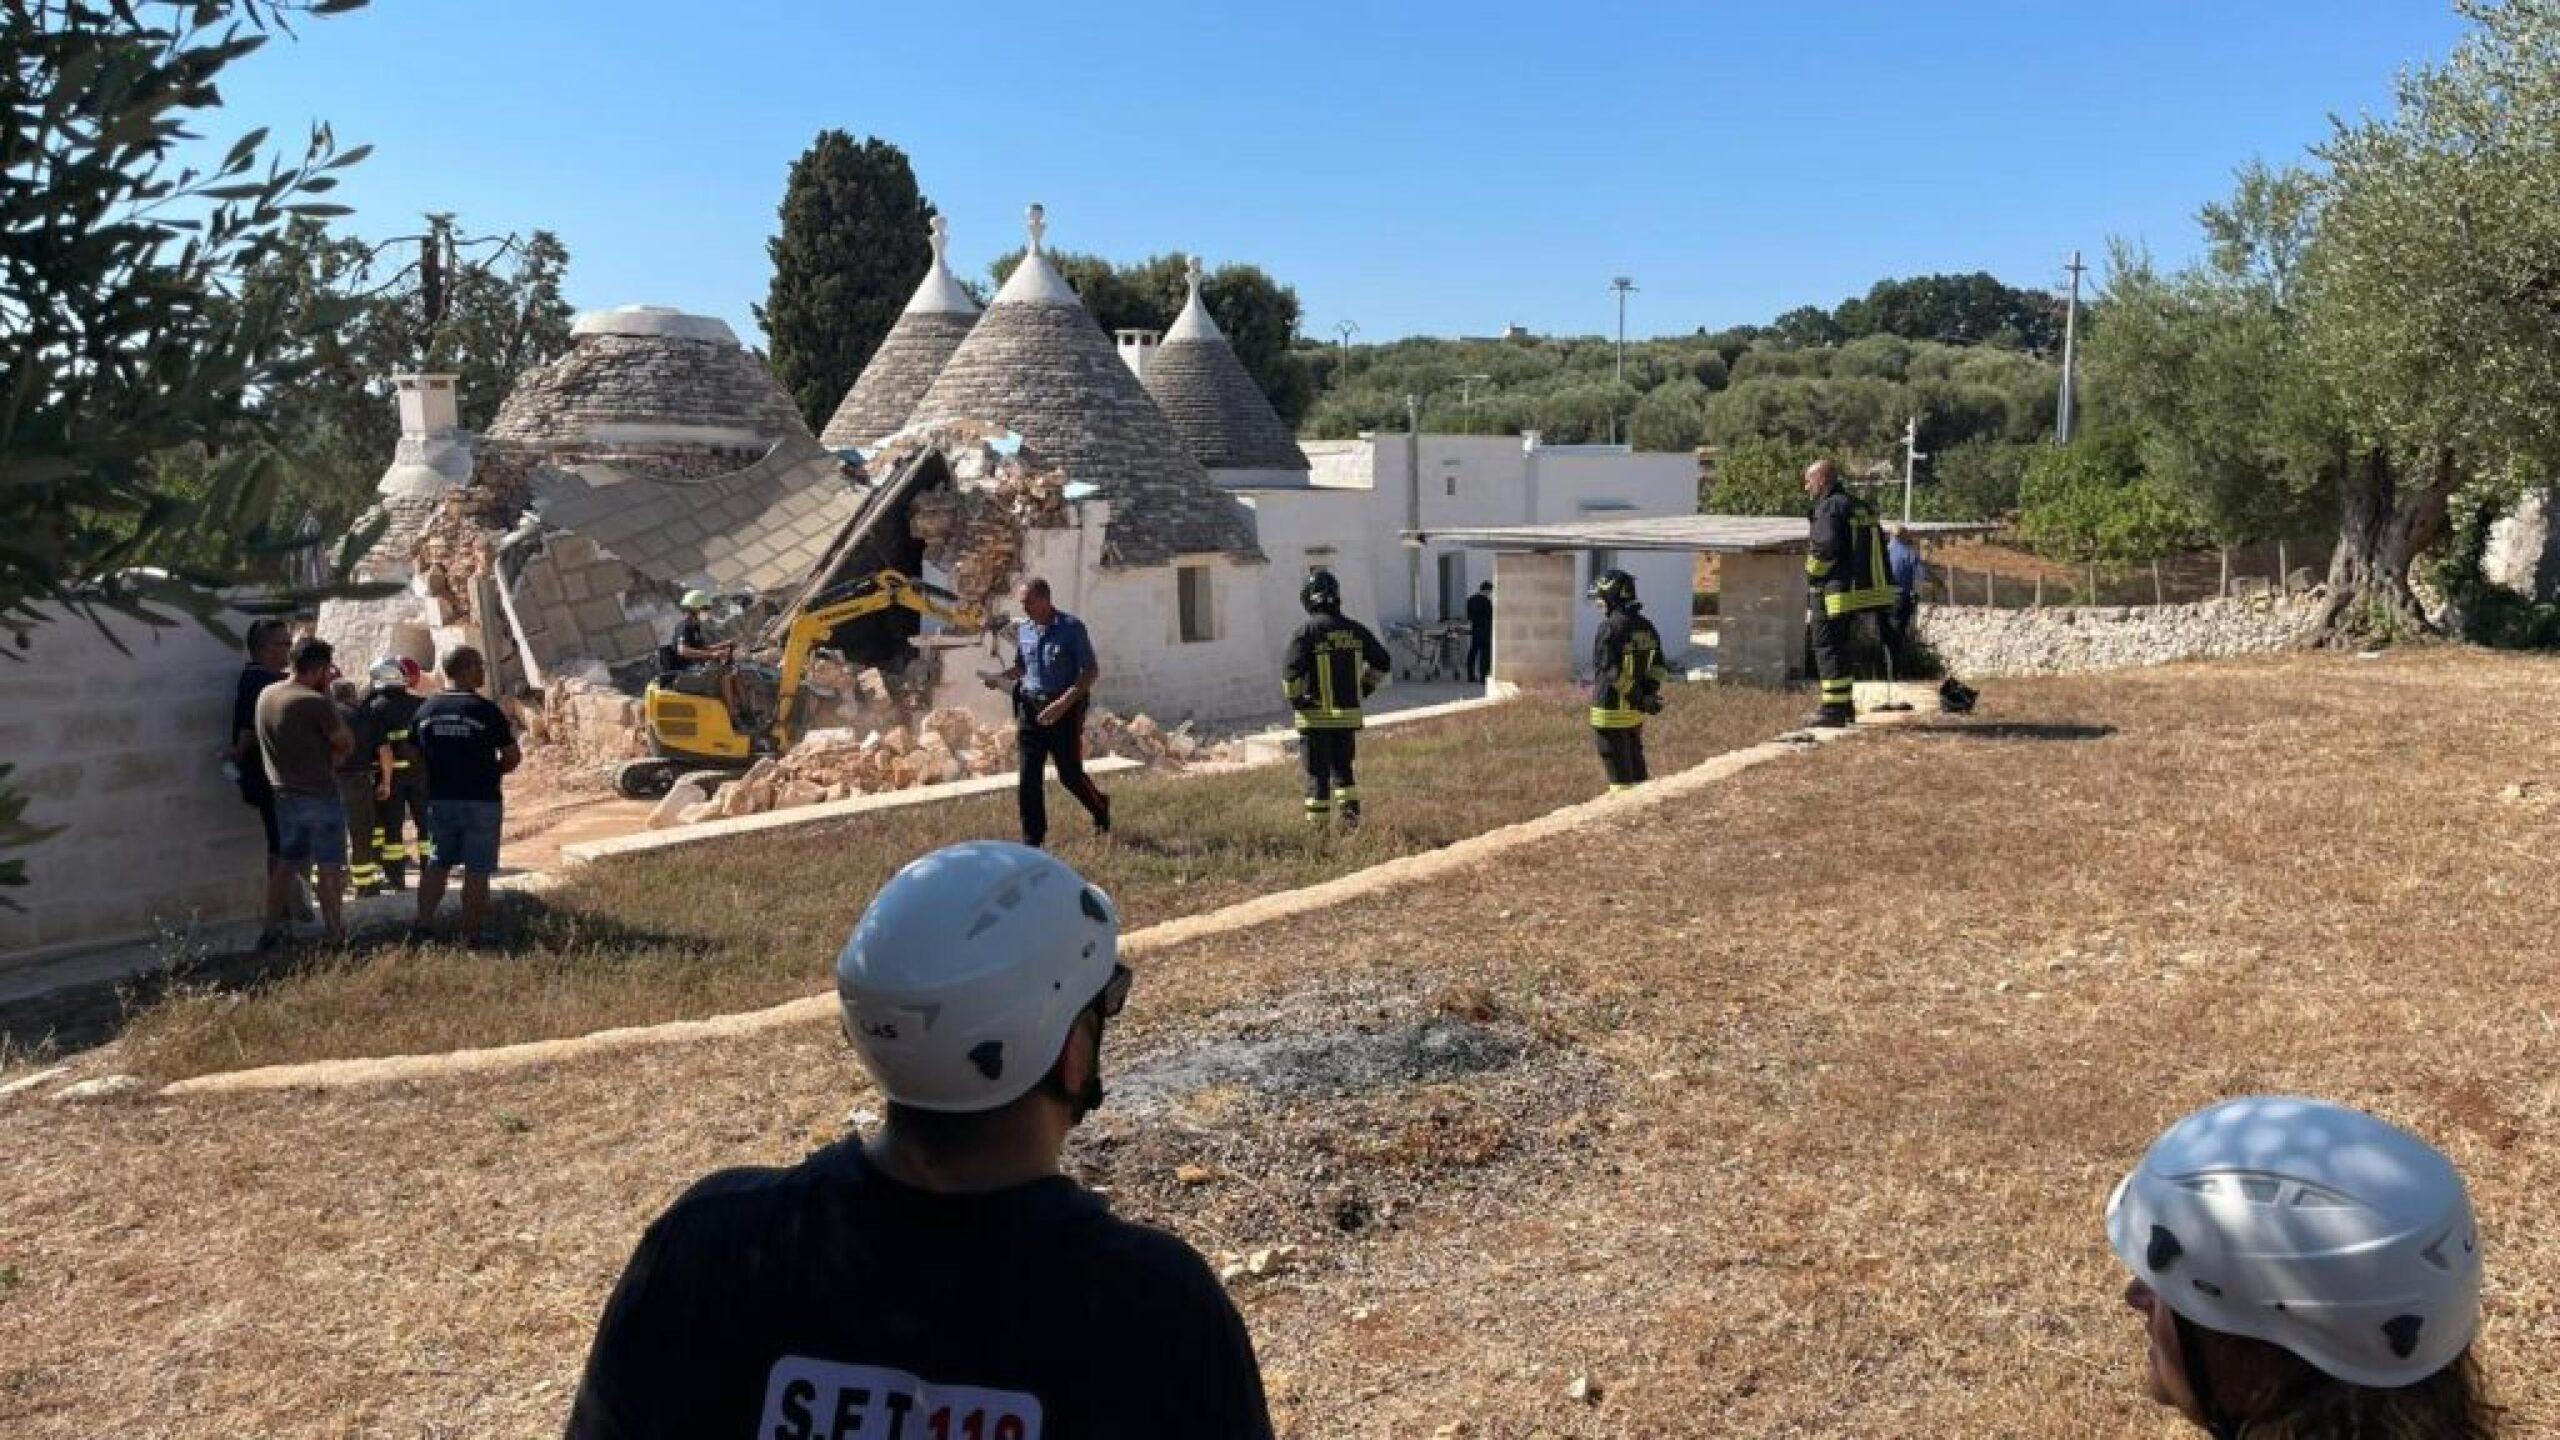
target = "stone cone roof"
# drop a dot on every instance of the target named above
(937, 318)
(1213, 402)
(1038, 363)
(645, 376)
(884, 398)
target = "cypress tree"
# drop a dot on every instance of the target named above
(851, 250)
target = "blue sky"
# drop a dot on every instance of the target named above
(1413, 168)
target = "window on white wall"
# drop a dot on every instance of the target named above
(1197, 594)
(1453, 585)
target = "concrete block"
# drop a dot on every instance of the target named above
(91, 729)
(571, 552)
(138, 770)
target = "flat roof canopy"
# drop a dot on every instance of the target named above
(1713, 534)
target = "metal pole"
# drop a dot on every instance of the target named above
(2070, 356)
(1624, 285)
(1413, 503)
(1346, 330)
(1911, 458)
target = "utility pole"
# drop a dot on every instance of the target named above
(1413, 503)
(1624, 286)
(2070, 356)
(1467, 390)
(1346, 330)
(1911, 458)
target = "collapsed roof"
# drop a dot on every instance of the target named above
(1038, 363)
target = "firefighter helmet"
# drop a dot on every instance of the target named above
(695, 600)
(389, 674)
(2310, 1226)
(1614, 589)
(1322, 594)
(964, 978)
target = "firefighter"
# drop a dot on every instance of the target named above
(1333, 665)
(363, 785)
(1627, 672)
(1846, 568)
(389, 711)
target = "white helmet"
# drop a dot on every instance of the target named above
(962, 980)
(2312, 1227)
(386, 672)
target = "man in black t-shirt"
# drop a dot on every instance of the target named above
(269, 641)
(943, 1279)
(468, 744)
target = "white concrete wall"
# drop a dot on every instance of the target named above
(124, 752)
(1134, 616)
(1299, 529)
(1480, 480)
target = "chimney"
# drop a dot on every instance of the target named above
(427, 404)
(1137, 347)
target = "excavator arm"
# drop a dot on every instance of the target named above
(826, 612)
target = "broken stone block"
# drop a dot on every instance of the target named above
(688, 792)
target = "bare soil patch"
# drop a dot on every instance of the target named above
(1815, 1087)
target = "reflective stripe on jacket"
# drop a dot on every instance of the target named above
(1626, 666)
(1846, 560)
(1333, 664)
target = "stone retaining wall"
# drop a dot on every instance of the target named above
(1976, 640)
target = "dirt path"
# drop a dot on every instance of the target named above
(1640, 1106)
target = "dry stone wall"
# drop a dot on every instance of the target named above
(1977, 640)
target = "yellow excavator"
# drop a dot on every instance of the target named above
(690, 724)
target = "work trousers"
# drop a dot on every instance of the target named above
(408, 803)
(1894, 628)
(1622, 755)
(1479, 655)
(1831, 638)
(1061, 744)
(1329, 755)
(364, 830)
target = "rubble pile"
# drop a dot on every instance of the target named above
(451, 552)
(594, 722)
(972, 529)
(942, 746)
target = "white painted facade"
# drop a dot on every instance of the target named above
(1360, 497)
(1227, 667)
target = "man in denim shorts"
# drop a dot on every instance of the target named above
(301, 742)
(468, 744)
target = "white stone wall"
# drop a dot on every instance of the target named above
(1482, 480)
(1976, 640)
(1134, 616)
(124, 752)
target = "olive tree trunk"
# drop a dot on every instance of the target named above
(2385, 522)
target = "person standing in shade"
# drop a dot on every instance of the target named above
(302, 741)
(1333, 665)
(469, 746)
(269, 642)
(1053, 675)
(362, 785)
(1480, 634)
(391, 708)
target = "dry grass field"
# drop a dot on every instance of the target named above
(736, 925)
(1785, 1111)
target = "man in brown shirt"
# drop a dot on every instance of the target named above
(301, 739)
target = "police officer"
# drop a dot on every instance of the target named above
(1052, 675)
(1846, 567)
(942, 1279)
(1627, 672)
(390, 710)
(1333, 665)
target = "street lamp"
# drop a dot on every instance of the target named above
(1623, 286)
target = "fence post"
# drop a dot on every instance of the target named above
(2284, 571)
(1989, 599)
(2158, 595)
(2039, 589)
(1950, 574)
